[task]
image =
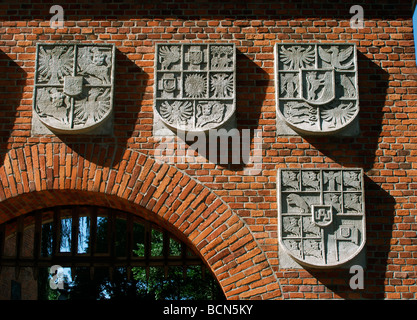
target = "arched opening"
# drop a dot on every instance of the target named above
(96, 252)
(47, 175)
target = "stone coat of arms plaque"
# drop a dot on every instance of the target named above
(321, 215)
(74, 85)
(195, 85)
(317, 87)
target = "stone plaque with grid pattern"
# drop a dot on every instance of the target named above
(195, 85)
(74, 85)
(317, 88)
(321, 220)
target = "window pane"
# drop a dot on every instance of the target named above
(157, 243)
(29, 237)
(174, 248)
(174, 288)
(102, 235)
(139, 240)
(156, 283)
(46, 243)
(103, 288)
(120, 245)
(83, 235)
(199, 287)
(148, 286)
(83, 287)
(66, 228)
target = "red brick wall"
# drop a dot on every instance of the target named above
(234, 223)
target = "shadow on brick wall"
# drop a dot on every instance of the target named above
(251, 87)
(12, 83)
(360, 151)
(380, 206)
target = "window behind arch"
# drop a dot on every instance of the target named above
(104, 254)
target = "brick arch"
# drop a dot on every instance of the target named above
(46, 175)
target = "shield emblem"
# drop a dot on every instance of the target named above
(168, 83)
(318, 86)
(81, 85)
(345, 232)
(201, 93)
(73, 86)
(322, 215)
(316, 223)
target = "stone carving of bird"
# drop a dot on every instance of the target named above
(336, 57)
(177, 112)
(222, 85)
(339, 115)
(54, 64)
(168, 56)
(297, 57)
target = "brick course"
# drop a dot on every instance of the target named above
(229, 217)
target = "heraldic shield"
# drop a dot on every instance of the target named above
(195, 85)
(321, 215)
(74, 85)
(316, 86)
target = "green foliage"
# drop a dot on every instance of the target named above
(177, 283)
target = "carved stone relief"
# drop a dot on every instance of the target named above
(73, 89)
(317, 88)
(321, 215)
(195, 85)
